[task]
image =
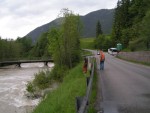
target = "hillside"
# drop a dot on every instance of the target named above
(105, 16)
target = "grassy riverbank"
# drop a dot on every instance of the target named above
(62, 100)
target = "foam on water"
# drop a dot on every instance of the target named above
(13, 86)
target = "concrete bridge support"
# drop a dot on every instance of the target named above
(46, 64)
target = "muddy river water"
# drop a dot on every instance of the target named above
(13, 82)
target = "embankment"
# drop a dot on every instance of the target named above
(140, 56)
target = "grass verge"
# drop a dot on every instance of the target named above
(93, 94)
(62, 100)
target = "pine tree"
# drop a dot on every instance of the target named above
(116, 31)
(145, 33)
(98, 29)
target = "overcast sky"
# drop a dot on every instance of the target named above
(19, 17)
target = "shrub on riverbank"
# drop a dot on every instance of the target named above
(58, 73)
(62, 100)
(42, 80)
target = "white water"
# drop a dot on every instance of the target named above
(13, 82)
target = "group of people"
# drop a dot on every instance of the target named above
(102, 60)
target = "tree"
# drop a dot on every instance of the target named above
(26, 44)
(9, 49)
(71, 30)
(127, 20)
(98, 29)
(116, 31)
(64, 42)
(145, 27)
(103, 42)
(41, 47)
(55, 46)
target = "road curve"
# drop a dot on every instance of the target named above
(124, 87)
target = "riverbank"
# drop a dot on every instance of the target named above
(62, 100)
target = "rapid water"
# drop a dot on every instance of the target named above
(13, 82)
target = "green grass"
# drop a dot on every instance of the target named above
(62, 100)
(86, 53)
(87, 43)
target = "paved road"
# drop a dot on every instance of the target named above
(123, 87)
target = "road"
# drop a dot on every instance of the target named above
(123, 87)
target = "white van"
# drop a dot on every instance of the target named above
(112, 51)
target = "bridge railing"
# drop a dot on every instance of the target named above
(19, 62)
(82, 102)
(22, 58)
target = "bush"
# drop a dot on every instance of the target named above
(44, 79)
(41, 80)
(103, 42)
(137, 44)
(62, 100)
(58, 72)
(30, 87)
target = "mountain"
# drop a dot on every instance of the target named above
(105, 16)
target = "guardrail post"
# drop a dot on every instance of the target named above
(78, 103)
(87, 81)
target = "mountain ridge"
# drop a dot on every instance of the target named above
(105, 16)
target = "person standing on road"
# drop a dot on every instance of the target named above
(102, 59)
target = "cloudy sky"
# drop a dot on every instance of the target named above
(19, 17)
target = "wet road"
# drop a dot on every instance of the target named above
(124, 87)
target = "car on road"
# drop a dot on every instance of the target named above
(98, 52)
(112, 51)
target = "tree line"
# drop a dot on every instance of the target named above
(14, 49)
(130, 26)
(24, 48)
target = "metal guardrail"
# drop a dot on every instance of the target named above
(82, 102)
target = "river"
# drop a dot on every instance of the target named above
(13, 82)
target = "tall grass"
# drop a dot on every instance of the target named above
(62, 100)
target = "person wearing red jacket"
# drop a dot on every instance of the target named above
(102, 59)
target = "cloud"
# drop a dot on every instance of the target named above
(19, 17)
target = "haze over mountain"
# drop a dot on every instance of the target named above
(105, 16)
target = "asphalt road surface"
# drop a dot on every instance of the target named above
(124, 87)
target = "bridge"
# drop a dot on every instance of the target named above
(19, 62)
